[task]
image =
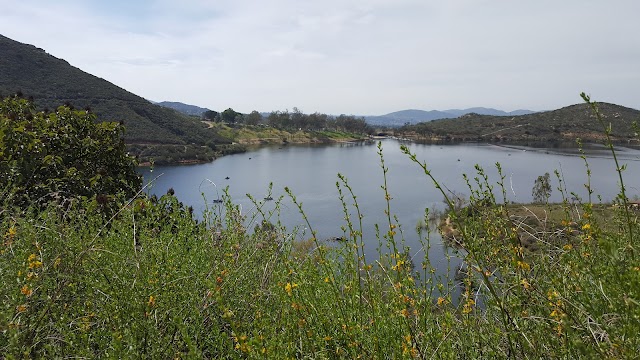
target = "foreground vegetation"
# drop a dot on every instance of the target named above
(151, 281)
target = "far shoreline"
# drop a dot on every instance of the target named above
(565, 148)
(257, 143)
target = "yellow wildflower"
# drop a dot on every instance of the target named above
(519, 250)
(25, 290)
(557, 313)
(398, 265)
(11, 232)
(468, 306)
(414, 352)
(525, 284)
(568, 247)
(524, 266)
(152, 301)
(404, 313)
(21, 308)
(289, 288)
(405, 349)
(441, 300)
(586, 226)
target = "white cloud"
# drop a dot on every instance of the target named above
(354, 56)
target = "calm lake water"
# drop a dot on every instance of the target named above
(311, 173)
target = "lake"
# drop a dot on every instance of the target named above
(311, 174)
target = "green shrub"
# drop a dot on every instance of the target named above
(61, 155)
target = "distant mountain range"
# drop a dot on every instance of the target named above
(394, 119)
(412, 116)
(183, 108)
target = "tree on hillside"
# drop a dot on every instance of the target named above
(279, 119)
(230, 116)
(318, 121)
(298, 119)
(61, 155)
(253, 118)
(211, 115)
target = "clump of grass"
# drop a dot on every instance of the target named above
(154, 282)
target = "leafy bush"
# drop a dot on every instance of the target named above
(61, 155)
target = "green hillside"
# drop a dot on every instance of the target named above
(565, 124)
(53, 82)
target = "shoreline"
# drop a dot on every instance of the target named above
(548, 146)
(256, 143)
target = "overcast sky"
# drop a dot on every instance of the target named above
(364, 57)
